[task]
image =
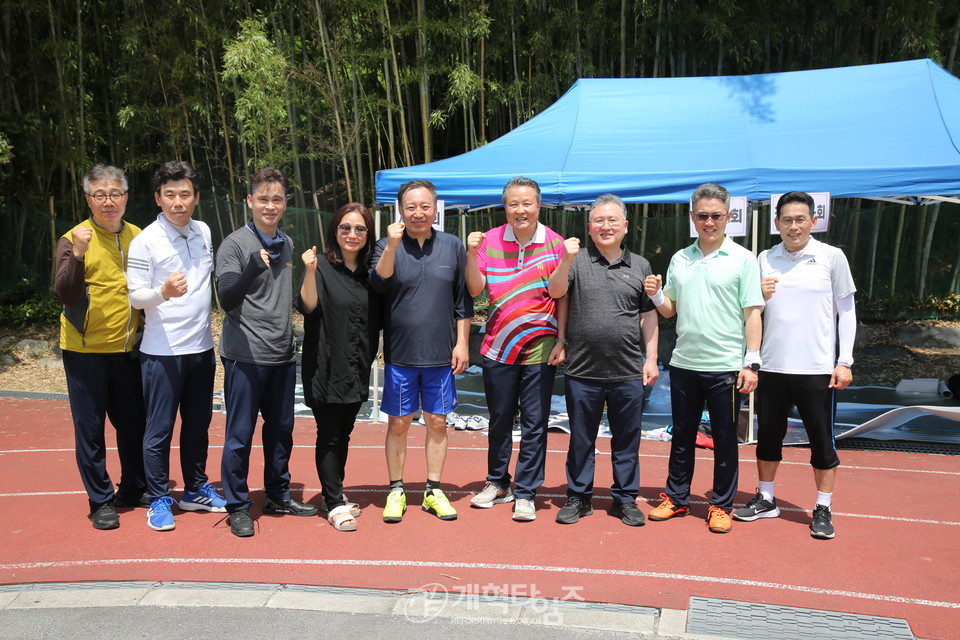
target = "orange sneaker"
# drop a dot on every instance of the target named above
(667, 510)
(718, 520)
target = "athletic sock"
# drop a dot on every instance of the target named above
(824, 498)
(766, 490)
(396, 485)
(432, 484)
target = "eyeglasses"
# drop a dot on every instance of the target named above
(345, 229)
(103, 197)
(613, 223)
(703, 217)
(789, 222)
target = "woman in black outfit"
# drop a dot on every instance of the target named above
(341, 329)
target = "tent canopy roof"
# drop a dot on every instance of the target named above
(881, 130)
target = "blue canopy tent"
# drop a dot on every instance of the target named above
(884, 131)
(879, 131)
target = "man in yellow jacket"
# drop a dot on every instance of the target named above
(98, 330)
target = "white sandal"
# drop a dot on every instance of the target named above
(342, 519)
(354, 507)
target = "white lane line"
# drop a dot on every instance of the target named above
(459, 492)
(62, 564)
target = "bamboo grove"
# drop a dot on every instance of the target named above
(333, 90)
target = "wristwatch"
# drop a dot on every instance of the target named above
(755, 367)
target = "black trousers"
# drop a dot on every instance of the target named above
(101, 385)
(585, 402)
(334, 426)
(171, 383)
(688, 391)
(250, 389)
(507, 387)
(816, 403)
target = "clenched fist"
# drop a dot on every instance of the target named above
(394, 234)
(474, 241)
(768, 286)
(309, 258)
(80, 236)
(571, 247)
(175, 286)
(652, 284)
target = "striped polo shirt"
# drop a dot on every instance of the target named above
(522, 327)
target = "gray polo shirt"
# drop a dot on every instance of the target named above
(260, 329)
(603, 328)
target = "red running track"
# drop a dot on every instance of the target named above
(895, 553)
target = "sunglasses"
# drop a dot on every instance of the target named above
(345, 229)
(703, 217)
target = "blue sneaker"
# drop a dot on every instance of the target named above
(205, 499)
(159, 517)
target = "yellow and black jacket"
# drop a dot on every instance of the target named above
(97, 316)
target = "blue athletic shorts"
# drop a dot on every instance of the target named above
(405, 389)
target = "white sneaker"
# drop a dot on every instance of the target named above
(491, 494)
(524, 510)
(477, 423)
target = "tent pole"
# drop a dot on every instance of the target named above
(643, 228)
(375, 410)
(754, 233)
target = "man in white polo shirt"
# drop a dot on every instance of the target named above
(810, 304)
(168, 275)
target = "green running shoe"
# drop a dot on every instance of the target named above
(436, 502)
(396, 506)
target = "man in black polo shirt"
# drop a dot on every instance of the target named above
(426, 329)
(611, 325)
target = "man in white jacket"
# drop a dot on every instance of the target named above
(810, 306)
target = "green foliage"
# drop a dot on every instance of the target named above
(261, 70)
(36, 310)
(330, 90)
(932, 308)
(6, 151)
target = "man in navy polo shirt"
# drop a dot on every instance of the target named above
(426, 329)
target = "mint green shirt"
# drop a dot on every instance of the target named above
(710, 293)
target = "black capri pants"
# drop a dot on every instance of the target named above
(816, 403)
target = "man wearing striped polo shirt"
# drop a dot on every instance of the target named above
(523, 342)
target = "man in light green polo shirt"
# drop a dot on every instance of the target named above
(713, 287)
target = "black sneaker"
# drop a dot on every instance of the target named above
(628, 513)
(757, 508)
(821, 527)
(575, 509)
(241, 524)
(131, 499)
(104, 516)
(288, 507)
